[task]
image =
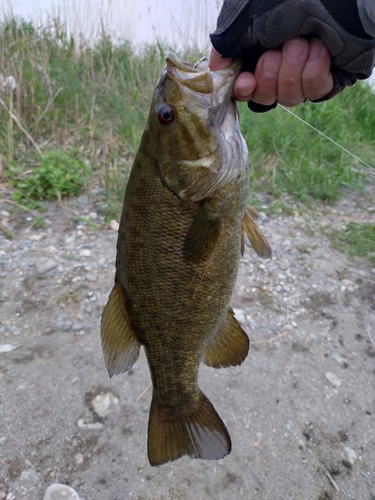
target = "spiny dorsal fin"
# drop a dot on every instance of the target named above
(120, 346)
(257, 240)
(195, 429)
(229, 347)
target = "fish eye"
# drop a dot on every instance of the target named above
(165, 114)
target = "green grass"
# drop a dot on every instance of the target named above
(56, 174)
(76, 117)
(356, 240)
(289, 157)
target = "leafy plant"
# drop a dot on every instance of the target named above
(58, 174)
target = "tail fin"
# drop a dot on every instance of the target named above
(194, 429)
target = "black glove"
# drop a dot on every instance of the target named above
(247, 28)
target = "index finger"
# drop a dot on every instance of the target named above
(217, 62)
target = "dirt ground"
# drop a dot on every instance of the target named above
(300, 410)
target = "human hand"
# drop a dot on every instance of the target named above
(247, 28)
(301, 70)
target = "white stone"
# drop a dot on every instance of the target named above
(333, 379)
(352, 456)
(8, 347)
(86, 252)
(60, 492)
(104, 404)
(92, 426)
(114, 225)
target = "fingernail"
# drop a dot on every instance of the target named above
(316, 47)
(294, 51)
(271, 65)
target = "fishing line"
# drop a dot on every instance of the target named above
(326, 137)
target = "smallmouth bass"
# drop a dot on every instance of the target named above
(180, 239)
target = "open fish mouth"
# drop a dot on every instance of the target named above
(198, 76)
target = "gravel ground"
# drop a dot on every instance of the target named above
(300, 410)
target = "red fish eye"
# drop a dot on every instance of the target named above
(165, 114)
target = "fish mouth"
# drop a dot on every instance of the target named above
(185, 65)
(200, 65)
(199, 78)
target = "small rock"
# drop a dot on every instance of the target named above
(45, 265)
(92, 426)
(352, 456)
(60, 492)
(83, 200)
(333, 379)
(93, 215)
(104, 404)
(63, 323)
(341, 361)
(240, 316)
(86, 252)
(114, 225)
(79, 458)
(98, 192)
(347, 283)
(36, 237)
(77, 327)
(8, 347)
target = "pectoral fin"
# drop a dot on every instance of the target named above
(229, 347)
(120, 346)
(203, 234)
(257, 240)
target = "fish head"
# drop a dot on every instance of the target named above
(195, 126)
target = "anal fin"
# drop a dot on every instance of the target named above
(120, 345)
(255, 235)
(194, 429)
(229, 347)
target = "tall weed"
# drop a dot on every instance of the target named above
(94, 99)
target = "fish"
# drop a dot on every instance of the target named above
(181, 235)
